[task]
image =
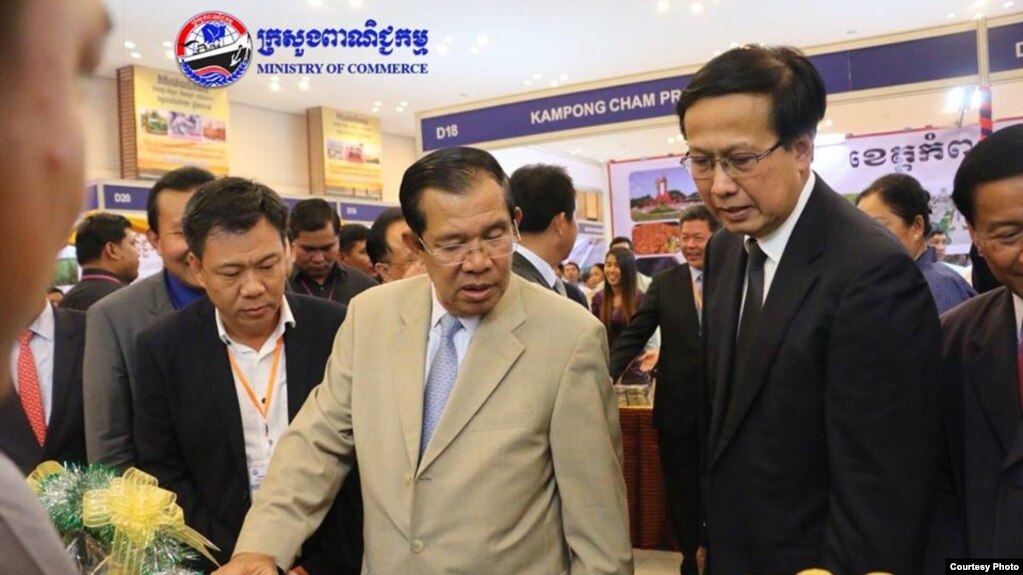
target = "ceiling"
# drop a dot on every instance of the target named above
(494, 48)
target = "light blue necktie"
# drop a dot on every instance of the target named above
(441, 379)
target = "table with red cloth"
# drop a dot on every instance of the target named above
(648, 503)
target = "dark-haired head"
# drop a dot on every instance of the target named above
(234, 206)
(312, 215)
(798, 96)
(185, 179)
(542, 192)
(96, 231)
(998, 157)
(901, 204)
(451, 171)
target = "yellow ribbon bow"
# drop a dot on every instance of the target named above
(138, 510)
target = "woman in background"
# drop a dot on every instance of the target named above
(615, 305)
(899, 203)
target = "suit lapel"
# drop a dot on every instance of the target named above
(525, 269)
(297, 348)
(218, 382)
(992, 373)
(724, 298)
(493, 351)
(409, 334)
(65, 358)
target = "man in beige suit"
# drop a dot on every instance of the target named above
(480, 407)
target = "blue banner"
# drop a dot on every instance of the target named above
(1005, 47)
(91, 198)
(923, 60)
(120, 197)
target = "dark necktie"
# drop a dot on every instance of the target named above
(753, 303)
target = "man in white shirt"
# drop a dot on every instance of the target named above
(820, 338)
(219, 381)
(545, 210)
(42, 419)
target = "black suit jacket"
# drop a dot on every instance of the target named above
(527, 271)
(823, 442)
(670, 305)
(65, 433)
(980, 496)
(188, 428)
(343, 283)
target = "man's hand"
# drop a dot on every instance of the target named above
(649, 360)
(249, 564)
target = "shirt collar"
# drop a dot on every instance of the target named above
(181, 294)
(44, 325)
(335, 270)
(541, 266)
(101, 272)
(774, 243)
(470, 323)
(285, 320)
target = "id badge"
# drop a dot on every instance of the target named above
(257, 472)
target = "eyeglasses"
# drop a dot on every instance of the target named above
(736, 164)
(455, 254)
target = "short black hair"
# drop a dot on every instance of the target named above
(571, 263)
(798, 96)
(95, 232)
(376, 243)
(904, 196)
(542, 192)
(311, 215)
(233, 205)
(179, 180)
(937, 230)
(351, 234)
(450, 170)
(621, 240)
(997, 157)
(698, 212)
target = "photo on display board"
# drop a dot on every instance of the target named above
(660, 194)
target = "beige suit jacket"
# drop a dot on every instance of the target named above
(523, 474)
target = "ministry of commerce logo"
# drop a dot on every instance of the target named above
(214, 49)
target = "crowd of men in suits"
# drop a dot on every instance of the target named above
(460, 418)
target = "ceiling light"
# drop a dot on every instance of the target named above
(696, 7)
(482, 41)
(169, 54)
(828, 123)
(950, 15)
(1008, 4)
(955, 100)
(275, 87)
(564, 77)
(303, 85)
(442, 49)
(474, 50)
(399, 109)
(316, 3)
(375, 109)
(554, 83)
(978, 4)
(537, 76)
(403, 104)
(129, 44)
(978, 16)
(355, 3)
(671, 140)
(663, 5)
(527, 83)
(377, 104)
(168, 44)
(136, 55)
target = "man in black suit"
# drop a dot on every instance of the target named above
(44, 420)
(105, 249)
(674, 303)
(313, 229)
(979, 513)
(545, 206)
(820, 338)
(219, 381)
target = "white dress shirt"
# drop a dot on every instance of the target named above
(462, 338)
(541, 266)
(775, 242)
(42, 345)
(1017, 304)
(261, 434)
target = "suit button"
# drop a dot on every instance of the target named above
(418, 546)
